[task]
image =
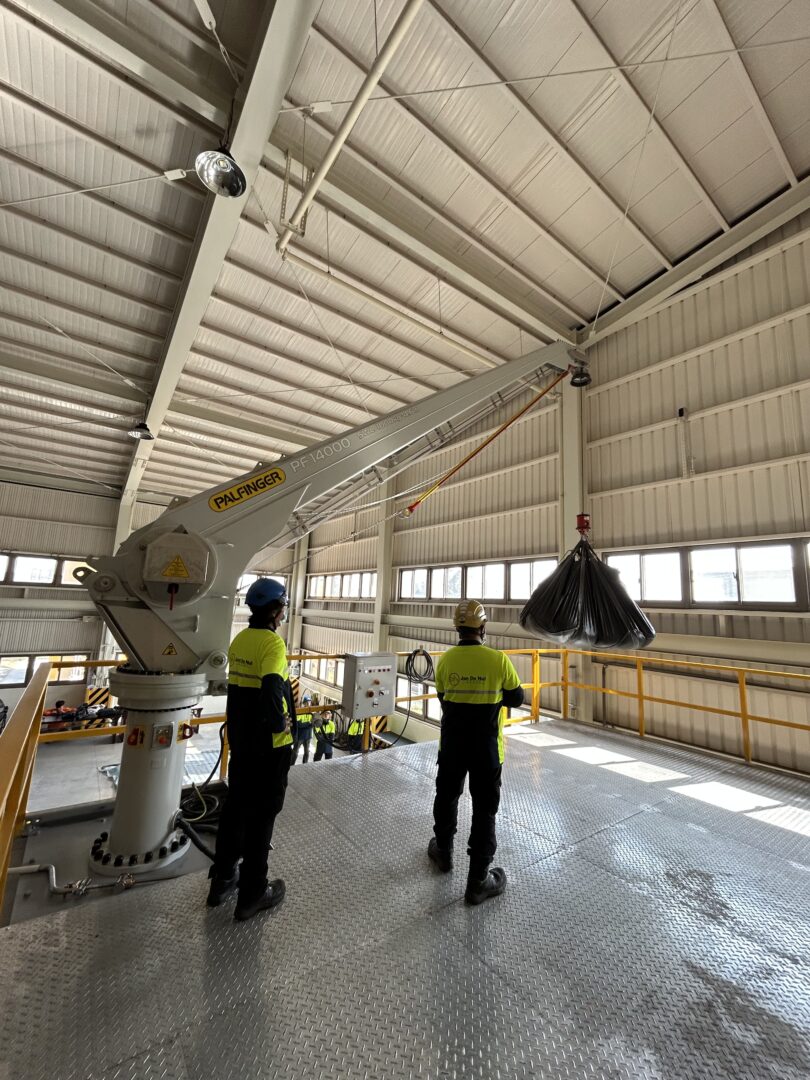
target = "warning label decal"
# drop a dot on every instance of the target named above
(170, 650)
(176, 568)
(248, 489)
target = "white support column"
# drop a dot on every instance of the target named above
(298, 594)
(572, 502)
(385, 573)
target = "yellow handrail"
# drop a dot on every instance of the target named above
(18, 748)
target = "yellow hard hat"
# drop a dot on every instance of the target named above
(470, 614)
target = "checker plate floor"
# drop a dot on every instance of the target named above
(644, 934)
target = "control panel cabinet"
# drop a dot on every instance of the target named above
(369, 681)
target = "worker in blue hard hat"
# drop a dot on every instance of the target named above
(303, 727)
(260, 718)
(473, 683)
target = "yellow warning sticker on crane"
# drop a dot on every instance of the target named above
(176, 568)
(170, 650)
(247, 489)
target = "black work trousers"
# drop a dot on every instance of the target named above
(303, 737)
(323, 748)
(257, 783)
(478, 759)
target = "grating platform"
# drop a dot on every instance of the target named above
(646, 933)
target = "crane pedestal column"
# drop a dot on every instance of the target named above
(142, 836)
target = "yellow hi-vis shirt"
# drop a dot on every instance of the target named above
(471, 680)
(253, 654)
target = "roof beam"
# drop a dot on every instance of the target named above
(374, 294)
(53, 483)
(98, 385)
(551, 137)
(105, 36)
(381, 225)
(768, 218)
(421, 203)
(625, 82)
(750, 91)
(494, 187)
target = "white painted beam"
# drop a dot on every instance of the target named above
(380, 224)
(103, 35)
(280, 42)
(766, 220)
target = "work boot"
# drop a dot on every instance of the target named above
(270, 898)
(442, 858)
(479, 890)
(221, 888)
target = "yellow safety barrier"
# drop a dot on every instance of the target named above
(18, 749)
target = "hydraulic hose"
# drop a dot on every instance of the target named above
(198, 842)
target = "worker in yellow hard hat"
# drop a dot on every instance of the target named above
(473, 683)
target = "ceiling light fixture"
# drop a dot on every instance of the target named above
(141, 432)
(219, 172)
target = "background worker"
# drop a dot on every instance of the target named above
(260, 717)
(324, 736)
(355, 736)
(303, 728)
(473, 683)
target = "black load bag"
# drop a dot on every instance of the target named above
(584, 604)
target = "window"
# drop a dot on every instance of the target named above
(3, 566)
(486, 582)
(330, 671)
(339, 673)
(68, 566)
(406, 689)
(714, 574)
(524, 577)
(766, 574)
(317, 585)
(413, 584)
(32, 570)
(75, 673)
(661, 576)
(629, 570)
(445, 583)
(322, 670)
(368, 585)
(333, 586)
(351, 585)
(13, 670)
(434, 706)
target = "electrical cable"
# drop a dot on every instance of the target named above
(413, 675)
(198, 842)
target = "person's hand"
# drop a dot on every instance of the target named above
(287, 724)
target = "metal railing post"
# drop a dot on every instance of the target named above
(535, 686)
(640, 695)
(744, 719)
(564, 673)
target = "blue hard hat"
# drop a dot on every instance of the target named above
(266, 591)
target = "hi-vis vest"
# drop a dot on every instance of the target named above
(327, 727)
(471, 680)
(305, 718)
(252, 655)
(356, 727)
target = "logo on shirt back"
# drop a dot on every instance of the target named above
(455, 678)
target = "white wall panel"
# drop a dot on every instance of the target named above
(48, 522)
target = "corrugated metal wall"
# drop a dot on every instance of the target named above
(44, 521)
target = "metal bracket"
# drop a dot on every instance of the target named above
(299, 230)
